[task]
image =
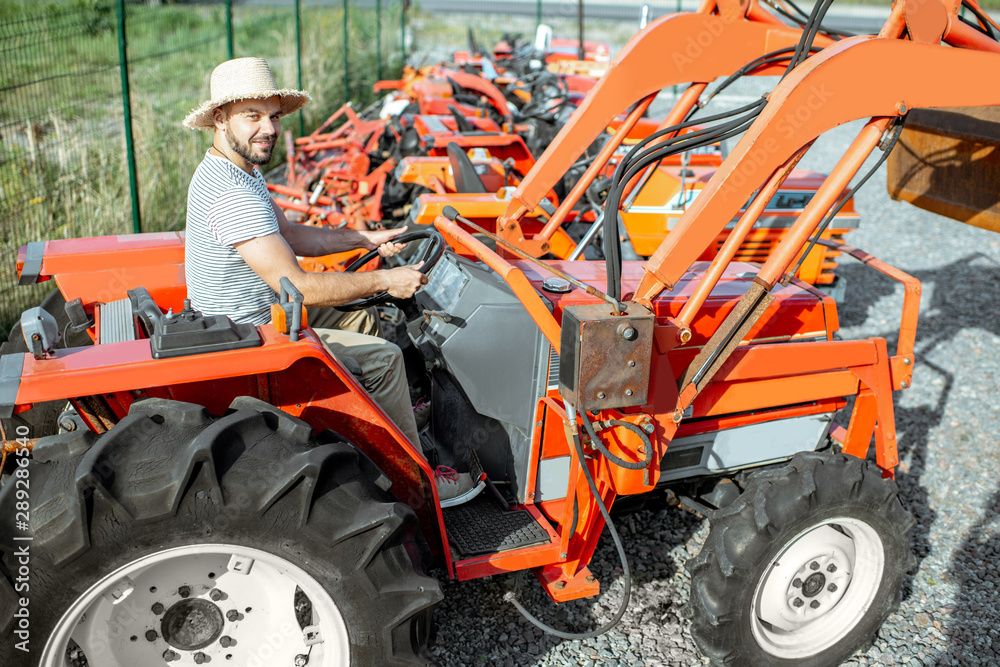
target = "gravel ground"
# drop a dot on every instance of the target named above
(947, 476)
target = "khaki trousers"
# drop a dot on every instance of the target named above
(355, 335)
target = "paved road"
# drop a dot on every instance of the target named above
(855, 18)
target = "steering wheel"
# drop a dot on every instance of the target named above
(429, 254)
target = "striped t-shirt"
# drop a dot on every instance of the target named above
(227, 206)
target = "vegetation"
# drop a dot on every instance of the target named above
(63, 166)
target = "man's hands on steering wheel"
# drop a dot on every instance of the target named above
(382, 240)
(405, 280)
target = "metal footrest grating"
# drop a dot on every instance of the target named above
(480, 527)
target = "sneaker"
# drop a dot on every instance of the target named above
(422, 413)
(455, 488)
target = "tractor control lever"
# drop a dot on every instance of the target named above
(453, 215)
(291, 300)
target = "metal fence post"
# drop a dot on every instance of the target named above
(298, 60)
(579, 24)
(402, 30)
(538, 14)
(378, 39)
(133, 183)
(347, 76)
(229, 28)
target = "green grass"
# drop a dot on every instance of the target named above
(63, 169)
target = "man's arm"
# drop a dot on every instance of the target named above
(271, 258)
(309, 241)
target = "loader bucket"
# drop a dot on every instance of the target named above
(948, 161)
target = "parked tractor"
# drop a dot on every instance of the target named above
(230, 493)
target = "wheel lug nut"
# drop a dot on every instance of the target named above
(200, 658)
(831, 568)
(151, 635)
(157, 608)
(797, 602)
(797, 583)
(232, 615)
(814, 565)
(185, 591)
(170, 656)
(814, 604)
(216, 594)
(832, 588)
(226, 641)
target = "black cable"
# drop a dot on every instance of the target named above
(688, 122)
(800, 22)
(640, 157)
(635, 162)
(611, 241)
(618, 461)
(843, 200)
(767, 59)
(982, 19)
(812, 27)
(626, 572)
(791, 3)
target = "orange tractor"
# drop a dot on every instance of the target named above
(573, 172)
(227, 492)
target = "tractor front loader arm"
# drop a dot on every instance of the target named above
(834, 87)
(677, 48)
(827, 90)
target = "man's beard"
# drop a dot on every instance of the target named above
(245, 151)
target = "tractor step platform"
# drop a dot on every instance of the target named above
(481, 527)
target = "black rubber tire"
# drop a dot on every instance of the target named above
(42, 418)
(170, 475)
(777, 506)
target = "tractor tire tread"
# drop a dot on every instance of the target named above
(741, 533)
(173, 467)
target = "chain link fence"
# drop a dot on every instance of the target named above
(93, 92)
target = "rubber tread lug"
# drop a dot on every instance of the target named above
(293, 428)
(63, 447)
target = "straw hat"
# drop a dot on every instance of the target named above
(243, 79)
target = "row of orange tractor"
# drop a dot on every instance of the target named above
(467, 134)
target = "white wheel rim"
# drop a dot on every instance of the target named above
(818, 588)
(111, 620)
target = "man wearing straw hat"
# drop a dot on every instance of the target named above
(239, 243)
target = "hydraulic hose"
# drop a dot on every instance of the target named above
(800, 21)
(509, 596)
(634, 163)
(843, 200)
(640, 157)
(983, 26)
(811, 29)
(618, 461)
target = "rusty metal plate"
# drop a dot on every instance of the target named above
(606, 358)
(948, 161)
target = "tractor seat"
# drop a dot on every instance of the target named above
(467, 181)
